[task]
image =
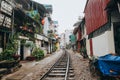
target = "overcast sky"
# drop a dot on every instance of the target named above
(66, 12)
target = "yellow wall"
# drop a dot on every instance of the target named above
(58, 46)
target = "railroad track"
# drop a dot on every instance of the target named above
(61, 70)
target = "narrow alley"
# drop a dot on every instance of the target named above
(59, 40)
(34, 70)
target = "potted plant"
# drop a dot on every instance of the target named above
(23, 41)
(16, 56)
(12, 46)
(7, 54)
(31, 58)
(38, 53)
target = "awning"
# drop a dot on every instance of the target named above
(45, 39)
(24, 37)
(37, 36)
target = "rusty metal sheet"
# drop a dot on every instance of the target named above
(95, 14)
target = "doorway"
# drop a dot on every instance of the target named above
(21, 51)
(117, 37)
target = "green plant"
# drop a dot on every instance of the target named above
(37, 17)
(7, 54)
(28, 44)
(30, 58)
(12, 46)
(54, 48)
(38, 53)
(37, 30)
(83, 50)
(26, 24)
(41, 28)
(23, 41)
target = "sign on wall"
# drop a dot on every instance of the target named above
(40, 37)
(5, 21)
(1, 18)
(6, 8)
(5, 17)
(10, 1)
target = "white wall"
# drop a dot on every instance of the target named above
(110, 39)
(27, 50)
(18, 47)
(38, 43)
(45, 50)
(88, 46)
(62, 40)
(46, 26)
(87, 41)
(67, 34)
(100, 45)
(1, 49)
(103, 44)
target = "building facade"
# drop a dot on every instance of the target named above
(101, 27)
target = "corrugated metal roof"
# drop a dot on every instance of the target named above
(95, 14)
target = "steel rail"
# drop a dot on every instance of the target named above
(67, 69)
(51, 68)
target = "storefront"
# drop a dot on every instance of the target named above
(5, 23)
